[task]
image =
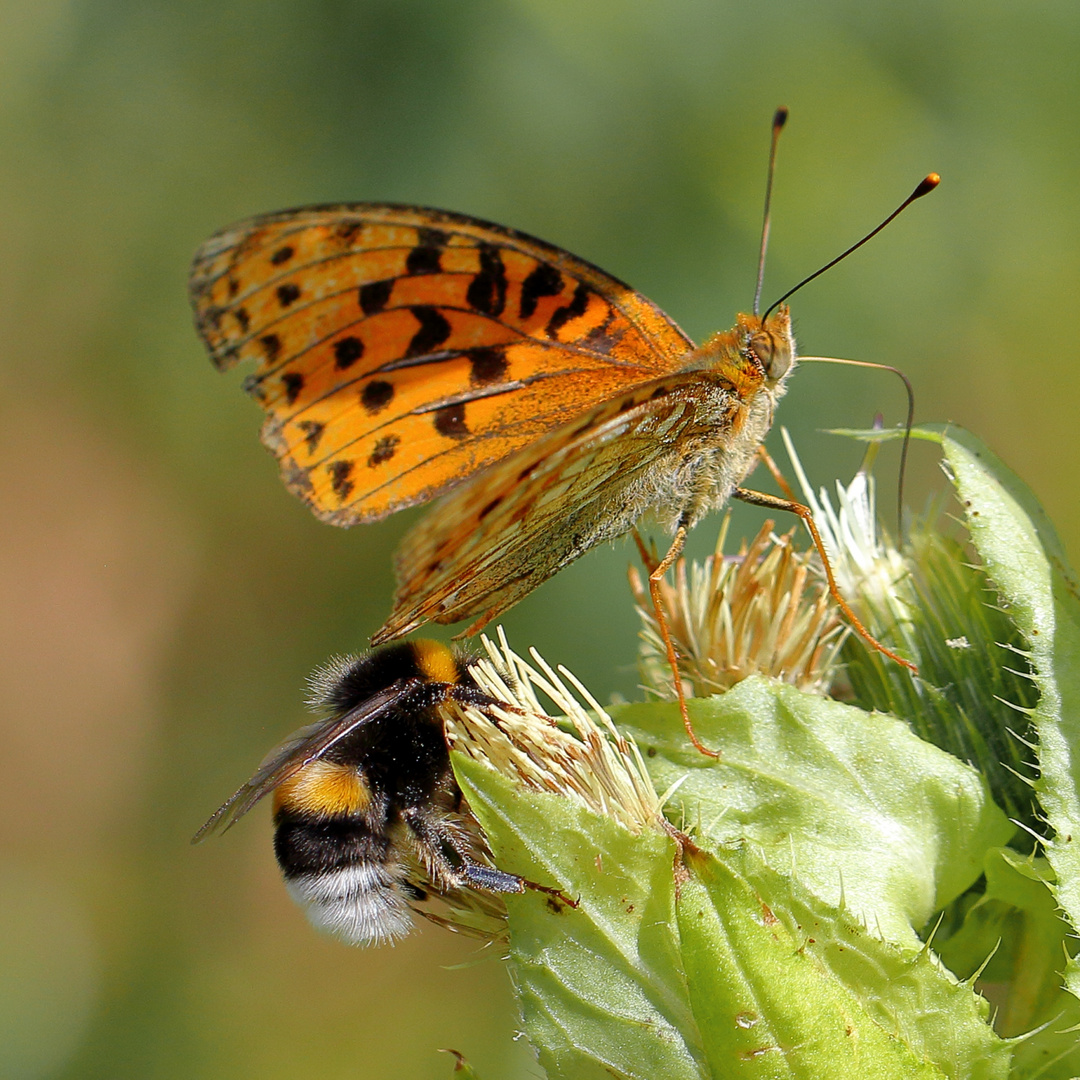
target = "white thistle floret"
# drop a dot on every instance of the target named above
(866, 567)
(594, 764)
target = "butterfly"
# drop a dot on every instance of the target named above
(404, 354)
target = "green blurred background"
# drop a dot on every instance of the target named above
(163, 597)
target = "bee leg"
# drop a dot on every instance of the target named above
(487, 877)
(485, 703)
(447, 856)
(464, 694)
(464, 871)
(773, 502)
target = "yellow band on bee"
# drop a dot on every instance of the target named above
(436, 661)
(323, 788)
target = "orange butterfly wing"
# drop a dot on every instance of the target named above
(401, 350)
(492, 542)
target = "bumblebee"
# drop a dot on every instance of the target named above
(368, 816)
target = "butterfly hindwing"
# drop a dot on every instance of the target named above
(399, 351)
(492, 542)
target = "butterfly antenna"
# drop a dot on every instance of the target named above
(924, 188)
(778, 121)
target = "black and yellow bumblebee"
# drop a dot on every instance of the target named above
(368, 816)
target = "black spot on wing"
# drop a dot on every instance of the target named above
(487, 364)
(377, 395)
(347, 351)
(347, 231)
(450, 421)
(425, 257)
(288, 293)
(313, 433)
(243, 320)
(575, 309)
(282, 255)
(543, 280)
(271, 344)
(340, 472)
(374, 295)
(600, 338)
(487, 290)
(434, 330)
(293, 382)
(384, 450)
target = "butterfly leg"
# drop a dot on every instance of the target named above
(774, 469)
(774, 502)
(647, 552)
(657, 570)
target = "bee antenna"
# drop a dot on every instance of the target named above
(778, 121)
(925, 187)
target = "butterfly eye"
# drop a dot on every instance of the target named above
(774, 357)
(762, 346)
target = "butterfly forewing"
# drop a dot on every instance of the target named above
(400, 350)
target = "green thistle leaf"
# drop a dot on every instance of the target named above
(601, 988)
(1013, 936)
(819, 995)
(730, 967)
(1026, 562)
(862, 811)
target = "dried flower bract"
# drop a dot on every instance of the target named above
(763, 611)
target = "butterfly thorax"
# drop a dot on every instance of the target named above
(743, 374)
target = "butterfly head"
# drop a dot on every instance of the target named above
(755, 352)
(769, 343)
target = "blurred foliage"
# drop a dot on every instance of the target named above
(163, 596)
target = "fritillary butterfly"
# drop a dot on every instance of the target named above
(403, 353)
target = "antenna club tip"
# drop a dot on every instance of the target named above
(926, 186)
(780, 117)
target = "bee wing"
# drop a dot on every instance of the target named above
(300, 749)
